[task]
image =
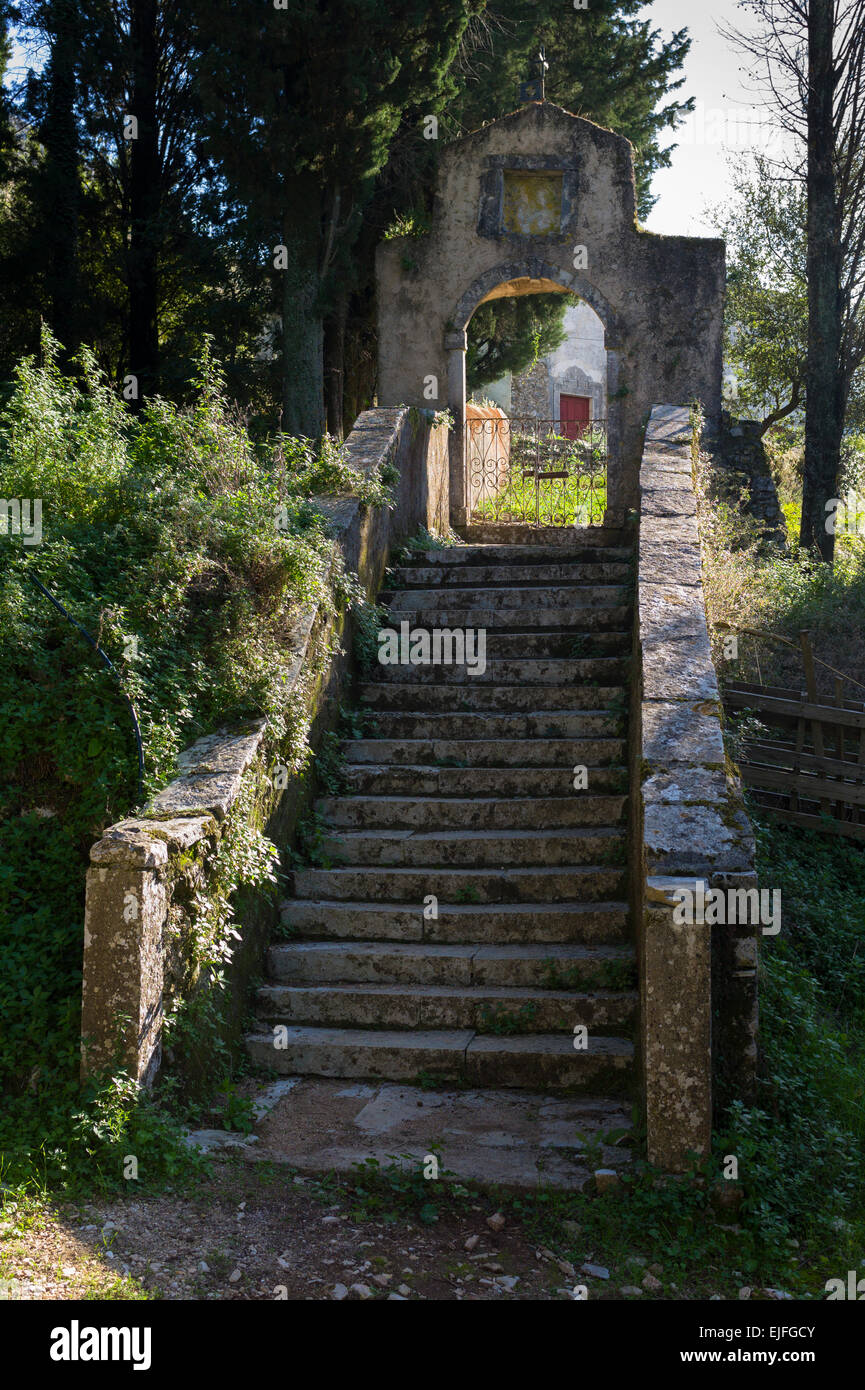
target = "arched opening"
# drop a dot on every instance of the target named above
(534, 447)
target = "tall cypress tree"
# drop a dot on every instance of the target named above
(304, 102)
(56, 181)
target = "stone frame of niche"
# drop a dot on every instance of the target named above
(491, 216)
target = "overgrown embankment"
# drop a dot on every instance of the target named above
(187, 550)
(751, 584)
(802, 1147)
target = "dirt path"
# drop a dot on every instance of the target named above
(252, 1232)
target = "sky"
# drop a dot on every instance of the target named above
(728, 120)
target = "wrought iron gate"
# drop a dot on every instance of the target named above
(537, 472)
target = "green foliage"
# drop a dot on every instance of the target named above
(174, 528)
(311, 833)
(368, 619)
(509, 335)
(501, 1021)
(398, 1189)
(802, 1147)
(422, 541)
(237, 1112)
(767, 291)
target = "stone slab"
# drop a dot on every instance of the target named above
(211, 774)
(677, 656)
(659, 501)
(670, 425)
(694, 838)
(686, 732)
(671, 530)
(517, 1140)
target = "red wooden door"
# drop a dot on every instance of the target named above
(576, 413)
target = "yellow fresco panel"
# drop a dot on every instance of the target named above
(532, 203)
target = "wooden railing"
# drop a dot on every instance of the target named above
(809, 768)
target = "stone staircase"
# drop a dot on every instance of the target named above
(463, 791)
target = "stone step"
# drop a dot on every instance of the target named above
(511, 699)
(490, 576)
(377, 779)
(615, 618)
(515, 535)
(563, 645)
(438, 813)
(485, 725)
(538, 672)
(539, 752)
(561, 967)
(504, 849)
(539, 1061)
(584, 883)
(574, 597)
(550, 927)
(490, 1011)
(493, 1137)
(469, 556)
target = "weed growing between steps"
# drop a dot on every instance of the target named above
(416, 546)
(187, 549)
(369, 619)
(399, 1190)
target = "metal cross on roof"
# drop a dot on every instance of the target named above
(536, 89)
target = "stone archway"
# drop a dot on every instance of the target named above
(529, 276)
(540, 200)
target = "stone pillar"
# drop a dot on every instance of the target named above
(616, 503)
(121, 1008)
(455, 346)
(699, 995)
(677, 1028)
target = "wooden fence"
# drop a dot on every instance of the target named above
(809, 767)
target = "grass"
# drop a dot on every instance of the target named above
(526, 495)
(582, 501)
(750, 585)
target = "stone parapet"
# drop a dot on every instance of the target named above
(146, 870)
(698, 982)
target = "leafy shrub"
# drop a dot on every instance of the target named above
(187, 550)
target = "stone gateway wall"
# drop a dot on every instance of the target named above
(698, 982)
(660, 298)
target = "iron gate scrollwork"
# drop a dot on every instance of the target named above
(536, 472)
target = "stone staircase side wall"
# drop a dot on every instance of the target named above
(145, 869)
(698, 982)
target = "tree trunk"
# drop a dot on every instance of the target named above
(60, 182)
(302, 328)
(825, 403)
(144, 200)
(360, 359)
(334, 364)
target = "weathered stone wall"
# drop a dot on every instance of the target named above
(742, 475)
(146, 870)
(660, 298)
(532, 393)
(698, 983)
